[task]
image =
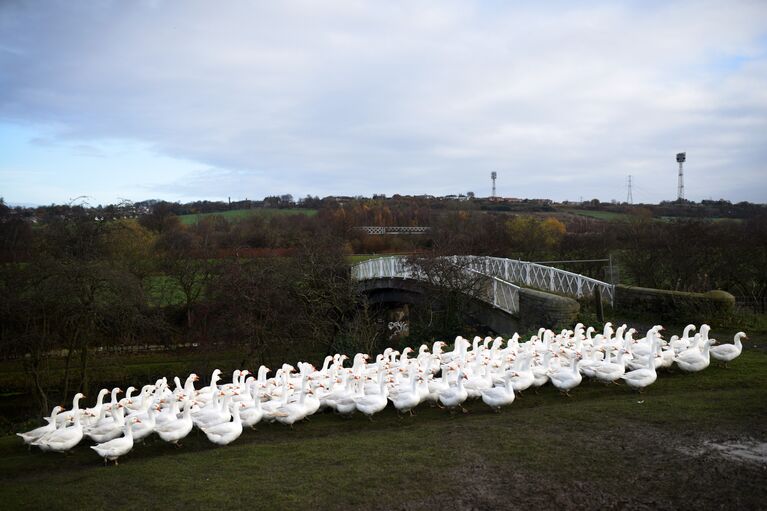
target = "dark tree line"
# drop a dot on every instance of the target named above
(79, 280)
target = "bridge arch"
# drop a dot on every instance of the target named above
(502, 295)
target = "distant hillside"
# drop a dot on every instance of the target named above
(236, 214)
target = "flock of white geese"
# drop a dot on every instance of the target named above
(489, 369)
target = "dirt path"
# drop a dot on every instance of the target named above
(650, 468)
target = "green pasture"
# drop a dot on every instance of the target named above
(606, 443)
(609, 216)
(238, 214)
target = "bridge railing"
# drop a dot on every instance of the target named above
(499, 293)
(376, 229)
(543, 277)
(507, 271)
(493, 290)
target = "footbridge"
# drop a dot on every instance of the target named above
(511, 289)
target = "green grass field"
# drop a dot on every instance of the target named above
(238, 214)
(605, 447)
(609, 216)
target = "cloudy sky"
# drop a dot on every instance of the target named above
(195, 99)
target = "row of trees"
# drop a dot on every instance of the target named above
(80, 281)
(76, 285)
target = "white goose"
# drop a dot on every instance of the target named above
(37, 433)
(522, 378)
(290, 413)
(220, 413)
(88, 416)
(640, 378)
(478, 380)
(681, 344)
(63, 439)
(110, 429)
(455, 396)
(693, 360)
(227, 432)
(497, 397)
(541, 371)
(567, 378)
(607, 371)
(729, 352)
(370, 404)
(407, 399)
(64, 418)
(175, 430)
(252, 415)
(142, 428)
(117, 447)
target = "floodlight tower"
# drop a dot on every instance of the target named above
(493, 175)
(680, 158)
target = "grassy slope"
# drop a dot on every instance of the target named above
(599, 215)
(606, 443)
(236, 214)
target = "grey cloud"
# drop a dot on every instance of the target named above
(364, 97)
